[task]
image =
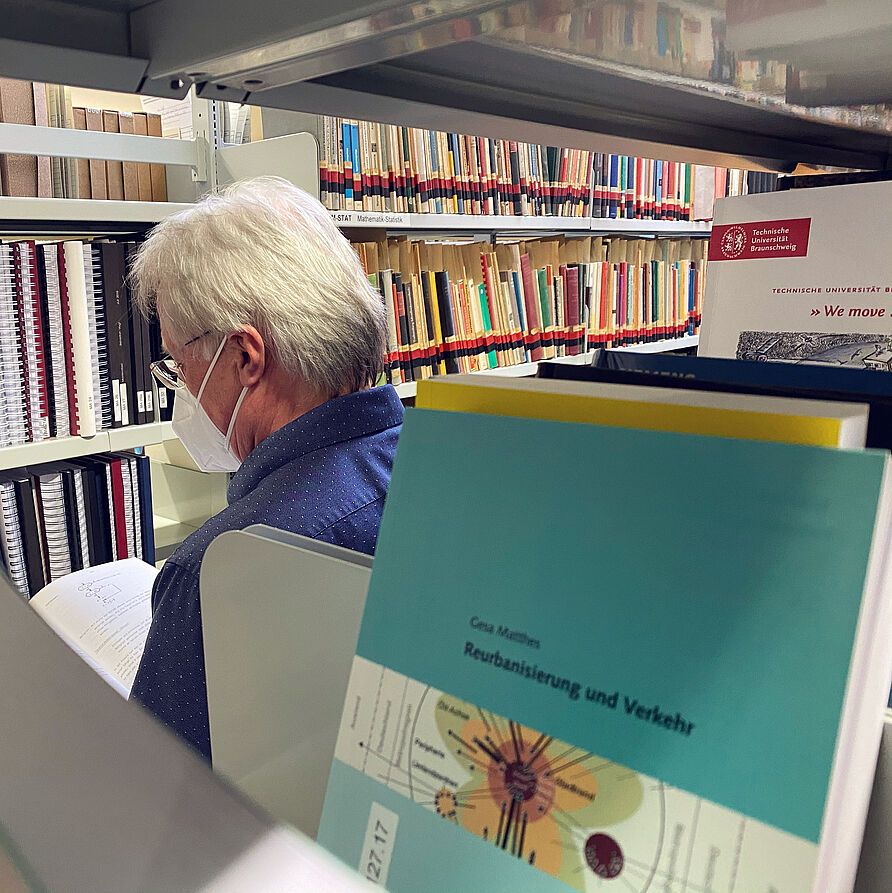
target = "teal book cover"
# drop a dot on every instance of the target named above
(597, 658)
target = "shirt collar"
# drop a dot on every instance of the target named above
(341, 418)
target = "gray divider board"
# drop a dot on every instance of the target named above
(875, 867)
(280, 616)
(94, 794)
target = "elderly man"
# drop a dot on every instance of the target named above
(276, 340)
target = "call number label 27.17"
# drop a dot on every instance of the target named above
(377, 848)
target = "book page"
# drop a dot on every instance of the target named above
(103, 613)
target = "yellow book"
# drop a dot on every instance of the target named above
(743, 416)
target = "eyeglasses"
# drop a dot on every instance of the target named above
(169, 372)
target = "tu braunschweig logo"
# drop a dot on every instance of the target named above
(733, 242)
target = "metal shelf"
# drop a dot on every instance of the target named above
(54, 214)
(79, 215)
(683, 343)
(505, 68)
(56, 449)
(28, 139)
(473, 223)
(522, 370)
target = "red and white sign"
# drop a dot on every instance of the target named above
(765, 239)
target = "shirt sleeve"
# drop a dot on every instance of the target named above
(170, 681)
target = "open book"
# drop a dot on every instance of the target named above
(103, 613)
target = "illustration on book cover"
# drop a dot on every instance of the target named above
(572, 814)
(862, 351)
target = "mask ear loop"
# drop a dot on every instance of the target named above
(207, 374)
(238, 404)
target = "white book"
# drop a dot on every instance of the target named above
(50, 500)
(56, 359)
(81, 351)
(93, 329)
(137, 514)
(103, 613)
(129, 508)
(12, 374)
(801, 276)
(11, 538)
(31, 340)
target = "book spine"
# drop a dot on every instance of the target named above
(118, 331)
(80, 370)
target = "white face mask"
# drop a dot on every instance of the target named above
(204, 441)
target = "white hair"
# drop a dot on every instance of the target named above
(264, 253)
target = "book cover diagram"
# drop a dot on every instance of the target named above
(802, 276)
(629, 677)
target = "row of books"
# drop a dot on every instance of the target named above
(50, 105)
(64, 516)
(463, 307)
(680, 38)
(74, 353)
(384, 167)
(684, 39)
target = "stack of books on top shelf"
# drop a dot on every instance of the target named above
(62, 517)
(50, 105)
(455, 307)
(74, 352)
(384, 167)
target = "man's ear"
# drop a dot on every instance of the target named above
(251, 355)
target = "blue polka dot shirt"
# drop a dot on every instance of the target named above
(325, 476)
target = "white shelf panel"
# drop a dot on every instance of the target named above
(659, 346)
(133, 436)
(27, 139)
(170, 532)
(519, 370)
(55, 449)
(472, 223)
(658, 227)
(70, 210)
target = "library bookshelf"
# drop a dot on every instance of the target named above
(183, 497)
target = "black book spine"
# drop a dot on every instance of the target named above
(137, 355)
(104, 514)
(144, 478)
(98, 550)
(97, 511)
(118, 330)
(147, 376)
(446, 323)
(514, 162)
(406, 298)
(31, 540)
(72, 525)
(165, 395)
(403, 325)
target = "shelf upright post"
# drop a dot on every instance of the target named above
(206, 133)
